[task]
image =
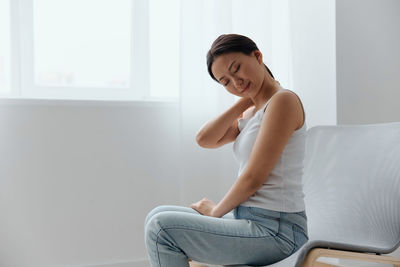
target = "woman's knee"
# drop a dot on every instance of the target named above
(162, 208)
(153, 212)
(158, 222)
(159, 217)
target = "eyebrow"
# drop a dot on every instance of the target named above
(228, 69)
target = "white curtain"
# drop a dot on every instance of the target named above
(210, 172)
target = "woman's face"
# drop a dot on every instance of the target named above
(240, 74)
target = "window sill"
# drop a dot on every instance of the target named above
(151, 102)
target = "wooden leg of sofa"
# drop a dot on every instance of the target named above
(193, 264)
(314, 254)
(322, 264)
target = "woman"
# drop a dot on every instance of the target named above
(267, 126)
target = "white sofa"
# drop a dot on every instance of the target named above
(352, 194)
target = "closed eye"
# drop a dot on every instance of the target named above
(237, 68)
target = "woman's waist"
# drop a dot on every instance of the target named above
(270, 216)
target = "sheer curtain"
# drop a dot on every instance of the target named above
(210, 172)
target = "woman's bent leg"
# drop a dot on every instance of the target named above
(173, 237)
(177, 208)
(168, 208)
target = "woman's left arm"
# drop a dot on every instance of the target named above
(282, 117)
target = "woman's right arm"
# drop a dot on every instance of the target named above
(223, 129)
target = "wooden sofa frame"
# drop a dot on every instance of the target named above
(314, 254)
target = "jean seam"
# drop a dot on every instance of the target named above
(158, 235)
(262, 215)
(299, 229)
(282, 237)
(279, 227)
(294, 239)
(285, 239)
(158, 254)
(302, 214)
(215, 233)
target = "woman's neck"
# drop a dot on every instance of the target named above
(268, 88)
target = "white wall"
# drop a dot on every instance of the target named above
(368, 61)
(368, 64)
(78, 177)
(314, 59)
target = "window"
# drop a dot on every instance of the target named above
(164, 48)
(90, 49)
(82, 43)
(5, 51)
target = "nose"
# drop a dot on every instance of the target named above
(238, 82)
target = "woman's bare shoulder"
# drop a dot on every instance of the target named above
(286, 99)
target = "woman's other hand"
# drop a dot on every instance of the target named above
(204, 206)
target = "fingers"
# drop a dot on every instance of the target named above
(197, 206)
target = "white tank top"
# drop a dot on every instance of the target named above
(283, 190)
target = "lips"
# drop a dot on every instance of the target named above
(247, 87)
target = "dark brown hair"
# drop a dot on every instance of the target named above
(226, 43)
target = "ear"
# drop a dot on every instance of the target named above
(258, 55)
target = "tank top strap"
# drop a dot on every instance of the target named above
(266, 103)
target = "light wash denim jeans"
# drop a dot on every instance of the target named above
(249, 236)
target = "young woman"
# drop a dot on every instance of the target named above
(267, 126)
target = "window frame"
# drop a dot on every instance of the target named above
(22, 67)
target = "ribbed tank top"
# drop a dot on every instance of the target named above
(283, 189)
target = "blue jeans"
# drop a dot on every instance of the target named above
(249, 236)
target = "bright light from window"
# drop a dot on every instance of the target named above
(5, 46)
(164, 48)
(82, 43)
